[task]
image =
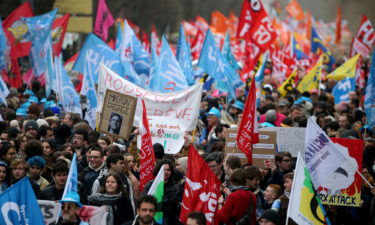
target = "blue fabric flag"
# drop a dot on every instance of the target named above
(141, 59)
(19, 205)
(39, 31)
(93, 52)
(342, 90)
(72, 180)
(184, 57)
(370, 94)
(118, 38)
(69, 97)
(317, 44)
(259, 77)
(50, 75)
(4, 91)
(213, 62)
(297, 51)
(227, 53)
(154, 69)
(169, 76)
(88, 89)
(4, 48)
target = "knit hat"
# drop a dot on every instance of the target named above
(14, 123)
(37, 161)
(270, 215)
(31, 124)
(41, 122)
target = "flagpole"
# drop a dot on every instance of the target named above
(368, 183)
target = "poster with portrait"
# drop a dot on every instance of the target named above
(117, 114)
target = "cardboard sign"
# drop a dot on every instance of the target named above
(289, 139)
(349, 188)
(265, 150)
(117, 114)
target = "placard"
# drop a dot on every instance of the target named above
(117, 114)
(262, 151)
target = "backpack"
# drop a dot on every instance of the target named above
(246, 219)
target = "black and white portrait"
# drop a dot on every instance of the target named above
(115, 123)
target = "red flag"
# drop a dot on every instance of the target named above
(248, 131)
(145, 41)
(202, 188)
(14, 32)
(364, 40)
(15, 79)
(243, 29)
(338, 27)
(147, 153)
(58, 33)
(103, 20)
(196, 45)
(295, 10)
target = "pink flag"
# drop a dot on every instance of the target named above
(103, 20)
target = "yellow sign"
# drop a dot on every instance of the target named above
(81, 24)
(74, 6)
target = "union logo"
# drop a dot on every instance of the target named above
(19, 30)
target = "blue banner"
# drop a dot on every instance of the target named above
(342, 90)
(227, 53)
(317, 45)
(19, 205)
(4, 48)
(184, 57)
(370, 94)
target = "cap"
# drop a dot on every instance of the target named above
(49, 104)
(31, 124)
(25, 105)
(215, 112)
(33, 99)
(71, 197)
(268, 86)
(43, 100)
(21, 112)
(239, 105)
(28, 92)
(270, 215)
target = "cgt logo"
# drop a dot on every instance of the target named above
(9, 217)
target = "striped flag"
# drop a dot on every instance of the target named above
(157, 190)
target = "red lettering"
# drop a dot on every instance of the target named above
(168, 111)
(117, 84)
(130, 89)
(186, 114)
(108, 78)
(158, 112)
(178, 113)
(174, 100)
(138, 92)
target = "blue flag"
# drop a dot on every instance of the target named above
(342, 90)
(370, 94)
(259, 77)
(4, 48)
(88, 90)
(118, 38)
(227, 52)
(317, 45)
(184, 57)
(169, 76)
(297, 51)
(4, 91)
(68, 96)
(213, 62)
(50, 75)
(93, 52)
(141, 59)
(19, 205)
(39, 31)
(154, 69)
(72, 180)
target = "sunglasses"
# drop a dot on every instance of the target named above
(68, 206)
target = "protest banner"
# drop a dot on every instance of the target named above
(49, 210)
(117, 114)
(263, 151)
(351, 195)
(289, 139)
(170, 115)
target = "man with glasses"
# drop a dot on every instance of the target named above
(95, 157)
(284, 165)
(70, 206)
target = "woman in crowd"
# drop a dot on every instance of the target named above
(115, 197)
(4, 176)
(7, 153)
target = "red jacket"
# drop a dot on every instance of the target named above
(235, 208)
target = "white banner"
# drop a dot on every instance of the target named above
(49, 210)
(178, 108)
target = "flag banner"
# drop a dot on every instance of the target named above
(4, 48)
(364, 40)
(181, 108)
(213, 62)
(318, 47)
(67, 94)
(297, 50)
(323, 158)
(93, 52)
(202, 188)
(141, 59)
(155, 41)
(248, 130)
(71, 182)
(311, 80)
(244, 23)
(50, 75)
(344, 188)
(19, 205)
(147, 163)
(58, 33)
(183, 56)
(103, 20)
(88, 89)
(15, 30)
(304, 204)
(295, 10)
(4, 91)
(288, 84)
(197, 44)
(227, 52)
(169, 77)
(370, 95)
(259, 77)
(341, 91)
(93, 215)
(157, 190)
(338, 26)
(346, 70)
(49, 210)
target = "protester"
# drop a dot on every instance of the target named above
(37, 164)
(269, 217)
(272, 192)
(196, 218)
(146, 209)
(70, 206)
(284, 164)
(7, 153)
(96, 165)
(19, 169)
(4, 176)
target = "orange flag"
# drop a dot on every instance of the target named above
(295, 10)
(338, 26)
(308, 25)
(219, 23)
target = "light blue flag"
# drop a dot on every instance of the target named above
(184, 57)
(88, 90)
(93, 52)
(118, 38)
(72, 180)
(214, 63)
(4, 91)
(342, 90)
(141, 60)
(50, 75)
(69, 97)
(169, 77)
(227, 52)
(19, 205)
(259, 77)
(154, 69)
(4, 48)
(370, 94)
(39, 31)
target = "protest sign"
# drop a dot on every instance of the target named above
(49, 210)
(346, 182)
(117, 114)
(263, 151)
(289, 139)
